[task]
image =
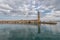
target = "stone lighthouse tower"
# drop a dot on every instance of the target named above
(38, 17)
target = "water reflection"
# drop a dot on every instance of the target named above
(45, 28)
(39, 28)
(50, 28)
(29, 32)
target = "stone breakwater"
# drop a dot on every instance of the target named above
(18, 21)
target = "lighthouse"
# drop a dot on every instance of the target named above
(38, 17)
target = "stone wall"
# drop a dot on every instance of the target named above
(17, 21)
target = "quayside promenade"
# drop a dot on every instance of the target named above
(24, 22)
(18, 21)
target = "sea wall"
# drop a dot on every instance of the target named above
(18, 21)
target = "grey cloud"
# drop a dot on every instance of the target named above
(57, 5)
(15, 4)
(53, 16)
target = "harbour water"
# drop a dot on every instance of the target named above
(29, 32)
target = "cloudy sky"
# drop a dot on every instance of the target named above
(27, 9)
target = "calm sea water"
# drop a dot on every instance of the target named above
(29, 32)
